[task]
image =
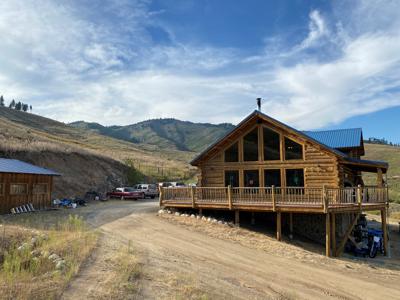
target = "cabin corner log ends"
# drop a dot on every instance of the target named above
(327, 201)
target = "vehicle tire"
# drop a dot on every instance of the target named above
(373, 251)
(122, 198)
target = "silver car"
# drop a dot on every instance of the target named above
(149, 190)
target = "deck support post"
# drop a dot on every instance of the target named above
(291, 226)
(325, 199)
(327, 235)
(278, 226)
(237, 220)
(359, 197)
(340, 249)
(333, 233)
(253, 220)
(200, 212)
(384, 230)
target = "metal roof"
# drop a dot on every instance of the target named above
(17, 166)
(339, 138)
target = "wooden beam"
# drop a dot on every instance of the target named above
(359, 197)
(291, 225)
(230, 197)
(333, 233)
(192, 195)
(278, 226)
(384, 230)
(200, 212)
(327, 235)
(379, 178)
(237, 220)
(160, 196)
(340, 249)
(273, 198)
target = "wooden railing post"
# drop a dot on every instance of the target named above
(359, 196)
(230, 197)
(160, 196)
(325, 199)
(192, 194)
(273, 198)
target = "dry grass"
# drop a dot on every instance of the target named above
(28, 270)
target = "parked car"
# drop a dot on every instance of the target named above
(149, 190)
(126, 193)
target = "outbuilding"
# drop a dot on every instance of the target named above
(22, 183)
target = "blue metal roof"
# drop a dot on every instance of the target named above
(339, 138)
(17, 166)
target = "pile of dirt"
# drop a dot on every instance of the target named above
(81, 172)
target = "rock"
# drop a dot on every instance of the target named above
(34, 241)
(35, 252)
(204, 218)
(161, 211)
(177, 214)
(198, 217)
(169, 212)
(208, 219)
(60, 265)
(54, 257)
(214, 220)
(220, 222)
(23, 247)
(192, 216)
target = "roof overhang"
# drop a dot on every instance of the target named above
(364, 165)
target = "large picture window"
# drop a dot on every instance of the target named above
(295, 177)
(250, 146)
(271, 145)
(18, 189)
(272, 178)
(293, 150)
(232, 178)
(251, 178)
(232, 153)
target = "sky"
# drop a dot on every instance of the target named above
(315, 64)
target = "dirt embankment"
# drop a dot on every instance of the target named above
(81, 172)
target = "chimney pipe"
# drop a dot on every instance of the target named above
(259, 103)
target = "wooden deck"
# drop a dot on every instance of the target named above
(289, 199)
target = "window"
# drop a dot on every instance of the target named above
(232, 153)
(1, 189)
(271, 145)
(250, 146)
(295, 177)
(293, 150)
(18, 189)
(251, 178)
(39, 188)
(232, 178)
(272, 177)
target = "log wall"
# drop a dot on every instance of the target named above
(39, 201)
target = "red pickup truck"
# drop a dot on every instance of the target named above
(125, 193)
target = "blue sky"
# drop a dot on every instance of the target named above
(316, 64)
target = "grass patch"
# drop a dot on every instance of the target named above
(41, 263)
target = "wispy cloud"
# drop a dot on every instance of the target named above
(72, 64)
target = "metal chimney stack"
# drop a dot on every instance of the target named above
(259, 103)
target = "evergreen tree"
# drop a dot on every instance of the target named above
(18, 106)
(25, 107)
(30, 108)
(12, 104)
(1, 100)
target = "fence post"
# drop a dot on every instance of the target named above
(230, 197)
(359, 196)
(192, 194)
(160, 196)
(273, 198)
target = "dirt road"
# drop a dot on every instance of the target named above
(176, 258)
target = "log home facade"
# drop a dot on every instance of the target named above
(265, 165)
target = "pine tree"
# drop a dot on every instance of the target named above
(18, 106)
(12, 104)
(25, 107)
(30, 108)
(1, 100)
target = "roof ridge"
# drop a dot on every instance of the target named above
(329, 130)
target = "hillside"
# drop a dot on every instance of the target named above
(86, 159)
(391, 155)
(163, 133)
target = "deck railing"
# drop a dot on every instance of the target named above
(273, 197)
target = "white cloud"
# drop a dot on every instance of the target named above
(72, 67)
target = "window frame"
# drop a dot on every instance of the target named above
(238, 152)
(280, 144)
(26, 190)
(280, 176)
(238, 177)
(297, 142)
(242, 144)
(304, 177)
(40, 183)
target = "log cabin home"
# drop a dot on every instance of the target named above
(22, 183)
(311, 179)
